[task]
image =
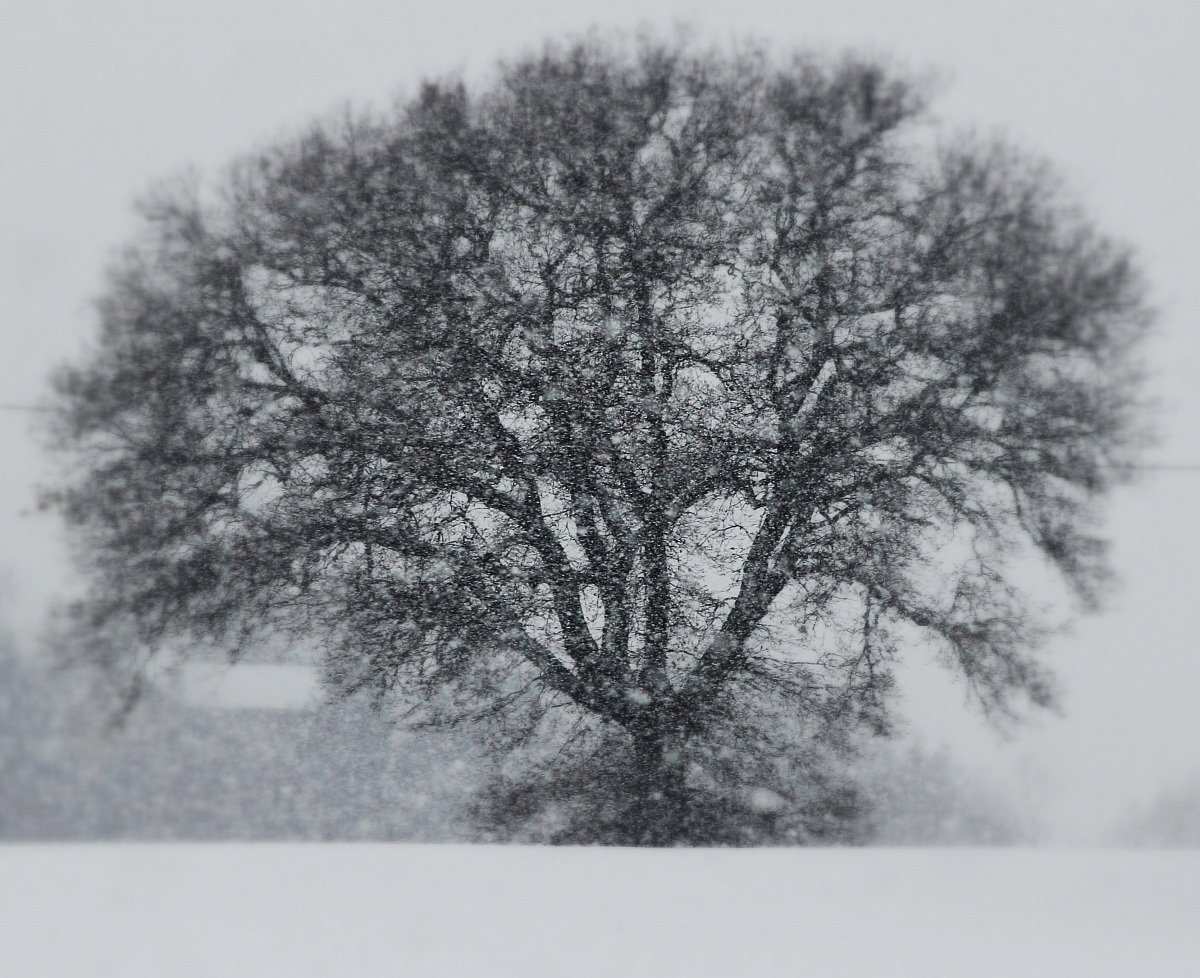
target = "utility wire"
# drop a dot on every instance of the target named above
(1132, 468)
(1158, 468)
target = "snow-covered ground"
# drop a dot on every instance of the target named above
(359, 911)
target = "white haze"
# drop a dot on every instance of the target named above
(250, 753)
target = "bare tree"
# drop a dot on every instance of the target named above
(651, 393)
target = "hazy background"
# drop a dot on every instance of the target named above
(100, 99)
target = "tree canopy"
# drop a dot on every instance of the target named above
(658, 393)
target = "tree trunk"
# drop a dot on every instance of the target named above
(658, 816)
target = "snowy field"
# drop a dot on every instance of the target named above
(360, 911)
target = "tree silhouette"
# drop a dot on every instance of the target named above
(649, 393)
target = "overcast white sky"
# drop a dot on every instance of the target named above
(100, 98)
